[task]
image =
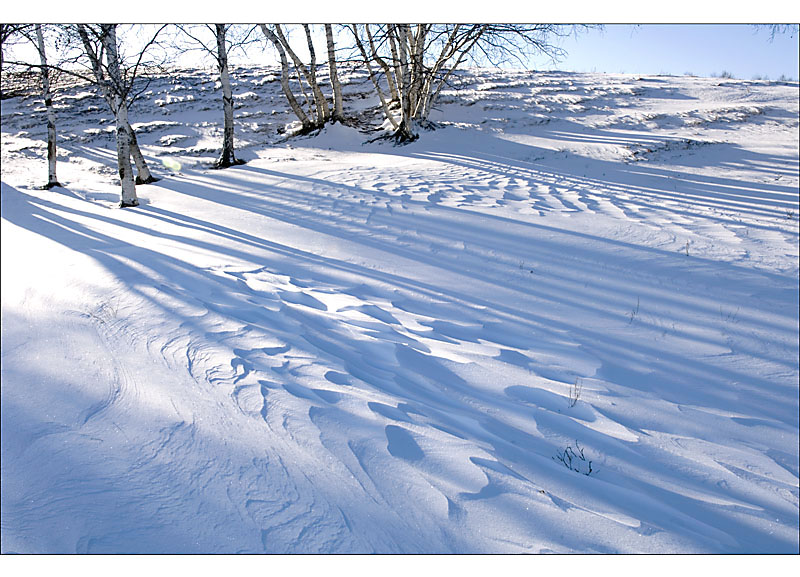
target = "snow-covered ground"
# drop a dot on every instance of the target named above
(565, 321)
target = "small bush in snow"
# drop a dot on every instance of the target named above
(575, 392)
(575, 460)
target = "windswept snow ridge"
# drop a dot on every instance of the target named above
(564, 321)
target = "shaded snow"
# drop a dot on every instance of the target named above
(345, 346)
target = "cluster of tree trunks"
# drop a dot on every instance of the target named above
(408, 66)
(319, 112)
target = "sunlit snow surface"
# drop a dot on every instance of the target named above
(347, 347)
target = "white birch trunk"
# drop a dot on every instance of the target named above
(417, 43)
(382, 63)
(144, 174)
(52, 179)
(338, 105)
(287, 91)
(121, 113)
(400, 34)
(395, 61)
(430, 78)
(384, 105)
(124, 157)
(323, 112)
(227, 157)
(318, 99)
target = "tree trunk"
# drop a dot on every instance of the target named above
(395, 62)
(287, 91)
(143, 175)
(338, 106)
(319, 100)
(406, 132)
(121, 113)
(124, 158)
(382, 63)
(384, 105)
(227, 157)
(52, 180)
(417, 44)
(323, 112)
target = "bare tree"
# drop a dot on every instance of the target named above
(92, 39)
(227, 157)
(307, 124)
(419, 60)
(318, 109)
(373, 76)
(373, 44)
(35, 36)
(109, 38)
(338, 105)
(219, 52)
(323, 110)
(116, 82)
(97, 41)
(10, 34)
(422, 57)
(52, 179)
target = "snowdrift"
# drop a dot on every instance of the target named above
(564, 321)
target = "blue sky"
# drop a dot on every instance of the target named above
(743, 50)
(701, 49)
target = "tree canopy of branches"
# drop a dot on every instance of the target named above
(11, 34)
(418, 60)
(780, 29)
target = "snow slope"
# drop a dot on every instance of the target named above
(565, 321)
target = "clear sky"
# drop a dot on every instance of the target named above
(701, 49)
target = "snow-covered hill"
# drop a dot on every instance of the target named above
(565, 321)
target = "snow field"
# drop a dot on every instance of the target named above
(347, 347)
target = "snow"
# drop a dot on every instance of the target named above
(346, 346)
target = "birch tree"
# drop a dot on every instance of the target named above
(375, 53)
(227, 157)
(306, 122)
(323, 110)
(52, 179)
(219, 51)
(336, 86)
(318, 112)
(116, 80)
(35, 35)
(419, 60)
(424, 58)
(109, 38)
(373, 76)
(93, 46)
